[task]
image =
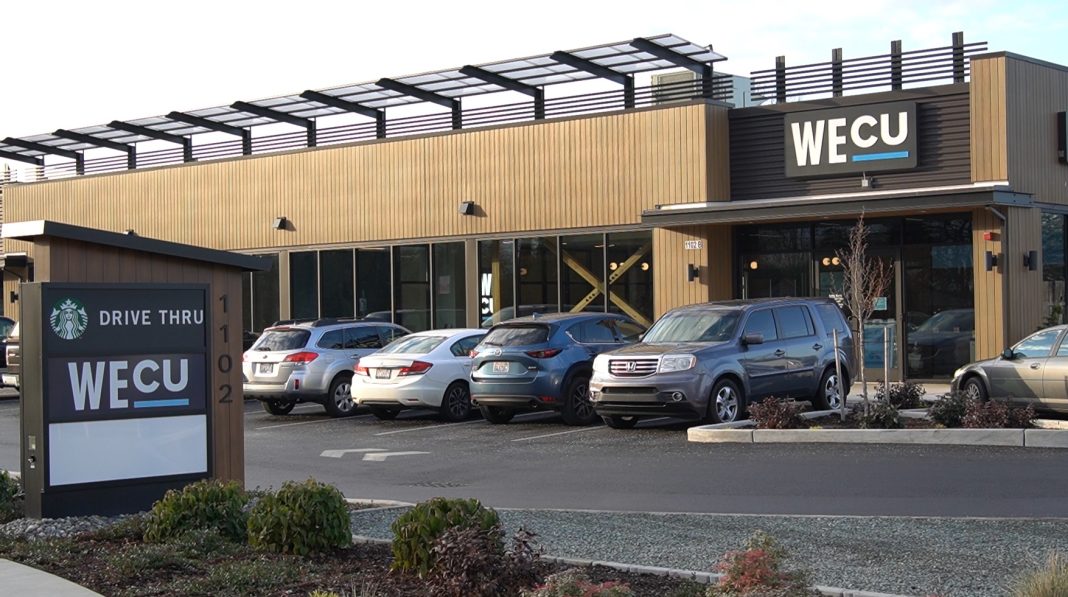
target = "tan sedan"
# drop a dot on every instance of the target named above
(1034, 371)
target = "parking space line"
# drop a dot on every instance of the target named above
(656, 419)
(429, 427)
(538, 412)
(523, 439)
(327, 420)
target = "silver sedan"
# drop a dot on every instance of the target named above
(422, 370)
(1034, 371)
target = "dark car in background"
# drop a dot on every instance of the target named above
(709, 361)
(941, 343)
(544, 362)
(12, 361)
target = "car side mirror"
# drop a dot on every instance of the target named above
(1008, 354)
(753, 338)
(641, 337)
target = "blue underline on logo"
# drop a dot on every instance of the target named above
(159, 403)
(889, 155)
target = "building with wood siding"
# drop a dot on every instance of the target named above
(634, 201)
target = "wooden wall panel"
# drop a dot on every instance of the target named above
(988, 120)
(1036, 92)
(572, 173)
(989, 287)
(669, 278)
(1025, 297)
(718, 154)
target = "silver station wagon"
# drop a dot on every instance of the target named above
(709, 361)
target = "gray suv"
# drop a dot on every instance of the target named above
(311, 362)
(709, 361)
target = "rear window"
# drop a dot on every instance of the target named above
(832, 319)
(517, 335)
(285, 339)
(713, 325)
(413, 345)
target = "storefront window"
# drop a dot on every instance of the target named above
(776, 274)
(373, 295)
(304, 285)
(496, 281)
(263, 296)
(411, 287)
(335, 283)
(1053, 266)
(630, 275)
(582, 273)
(537, 276)
(450, 298)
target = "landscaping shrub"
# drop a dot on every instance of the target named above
(774, 413)
(207, 504)
(902, 395)
(471, 562)
(415, 531)
(301, 518)
(757, 570)
(10, 498)
(880, 415)
(949, 410)
(574, 582)
(1050, 581)
(129, 528)
(996, 415)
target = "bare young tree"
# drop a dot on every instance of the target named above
(864, 280)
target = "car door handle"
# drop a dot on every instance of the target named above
(1036, 365)
(780, 352)
(817, 346)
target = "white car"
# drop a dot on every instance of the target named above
(422, 370)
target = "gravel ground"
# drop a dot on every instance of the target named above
(55, 528)
(908, 556)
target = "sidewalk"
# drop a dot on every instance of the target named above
(31, 582)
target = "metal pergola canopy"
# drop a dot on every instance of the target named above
(615, 61)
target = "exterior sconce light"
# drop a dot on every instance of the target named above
(280, 223)
(131, 232)
(753, 264)
(692, 272)
(991, 261)
(613, 266)
(1031, 260)
(467, 208)
(829, 261)
(645, 266)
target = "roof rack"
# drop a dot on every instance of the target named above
(315, 323)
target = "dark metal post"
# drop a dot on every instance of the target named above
(628, 92)
(187, 150)
(896, 79)
(246, 142)
(539, 105)
(958, 57)
(380, 124)
(131, 158)
(707, 81)
(836, 72)
(780, 79)
(457, 115)
(79, 164)
(312, 134)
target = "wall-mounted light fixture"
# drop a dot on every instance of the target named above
(692, 272)
(467, 208)
(131, 232)
(991, 261)
(753, 264)
(1031, 260)
(280, 223)
(829, 261)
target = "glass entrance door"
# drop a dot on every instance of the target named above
(883, 330)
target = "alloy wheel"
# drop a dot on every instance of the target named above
(832, 393)
(581, 398)
(727, 404)
(972, 391)
(343, 397)
(457, 402)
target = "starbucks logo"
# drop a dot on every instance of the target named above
(69, 319)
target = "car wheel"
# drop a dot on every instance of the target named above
(456, 403)
(578, 410)
(339, 401)
(496, 414)
(383, 413)
(726, 404)
(278, 408)
(829, 393)
(618, 422)
(974, 389)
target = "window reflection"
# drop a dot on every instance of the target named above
(304, 285)
(449, 286)
(373, 295)
(411, 287)
(630, 275)
(495, 281)
(335, 283)
(582, 272)
(1053, 268)
(536, 276)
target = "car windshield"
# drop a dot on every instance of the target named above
(413, 345)
(949, 321)
(714, 325)
(283, 339)
(516, 335)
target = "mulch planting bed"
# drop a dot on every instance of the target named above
(834, 422)
(124, 566)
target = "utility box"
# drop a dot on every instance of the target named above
(130, 378)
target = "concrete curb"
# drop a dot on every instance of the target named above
(694, 575)
(1049, 424)
(1020, 438)
(378, 504)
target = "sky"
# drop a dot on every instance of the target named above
(70, 64)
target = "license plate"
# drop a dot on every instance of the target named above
(382, 373)
(266, 367)
(500, 366)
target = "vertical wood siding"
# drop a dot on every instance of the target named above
(1035, 94)
(589, 171)
(1025, 293)
(989, 287)
(989, 147)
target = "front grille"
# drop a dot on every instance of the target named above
(632, 367)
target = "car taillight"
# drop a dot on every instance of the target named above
(361, 370)
(416, 368)
(302, 357)
(548, 353)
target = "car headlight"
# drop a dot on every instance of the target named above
(600, 364)
(676, 362)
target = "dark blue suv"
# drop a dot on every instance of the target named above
(544, 362)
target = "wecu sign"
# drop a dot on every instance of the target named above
(871, 138)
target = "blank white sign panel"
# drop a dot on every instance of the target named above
(93, 451)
